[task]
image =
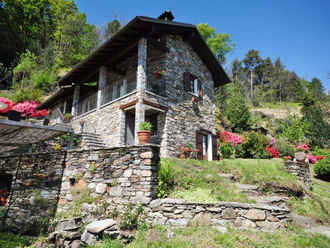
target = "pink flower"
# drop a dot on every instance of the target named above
(303, 147)
(272, 141)
(233, 138)
(28, 108)
(9, 104)
(311, 158)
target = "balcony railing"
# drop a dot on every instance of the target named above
(157, 86)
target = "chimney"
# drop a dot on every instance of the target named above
(166, 16)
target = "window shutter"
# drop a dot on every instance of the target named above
(186, 80)
(215, 147)
(200, 92)
(199, 145)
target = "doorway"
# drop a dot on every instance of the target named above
(5, 186)
(129, 128)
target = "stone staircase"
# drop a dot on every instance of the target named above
(255, 194)
(92, 141)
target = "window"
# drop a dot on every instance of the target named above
(87, 103)
(192, 84)
(152, 118)
(114, 90)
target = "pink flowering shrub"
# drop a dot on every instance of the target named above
(9, 104)
(28, 108)
(303, 147)
(311, 158)
(228, 137)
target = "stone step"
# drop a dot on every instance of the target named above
(247, 187)
(227, 176)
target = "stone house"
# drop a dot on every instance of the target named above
(153, 70)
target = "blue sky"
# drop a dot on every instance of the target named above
(297, 31)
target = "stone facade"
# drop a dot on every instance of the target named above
(176, 126)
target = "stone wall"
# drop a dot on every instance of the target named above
(109, 177)
(35, 187)
(179, 213)
(76, 183)
(301, 170)
(184, 118)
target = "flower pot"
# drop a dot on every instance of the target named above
(144, 137)
(14, 115)
(187, 149)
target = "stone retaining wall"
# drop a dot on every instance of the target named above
(35, 187)
(179, 213)
(301, 170)
(67, 182)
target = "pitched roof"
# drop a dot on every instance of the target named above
(125, 40)
(137, 28)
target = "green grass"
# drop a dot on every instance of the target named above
(316, 204)
(291, 105)
(199, 181)
(268, 174)
(9, 240)
(204, 236)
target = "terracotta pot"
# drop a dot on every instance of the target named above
(187, 149)
(144, 137)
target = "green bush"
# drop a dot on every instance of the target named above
(322, 168)
(131, 218)
(294, 129)
(166, 176)
(226, 150)
(254, 146)
(285, 148)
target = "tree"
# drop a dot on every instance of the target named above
(251, 61)
(219, 43)
(317, 88)
(236, 109)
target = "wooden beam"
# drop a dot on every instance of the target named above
(155, 105)
(124, 106)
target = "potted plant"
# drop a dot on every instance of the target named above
(144, 132)
(67, 117)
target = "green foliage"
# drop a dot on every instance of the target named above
(220, 44)
(10, 240)
(322, 168)
(236, 109)
(132, 217)
(145, 126)
(294, 129)
(107, 243)
(254, 146)
(226, 150)
(166, 176)
(285, 148)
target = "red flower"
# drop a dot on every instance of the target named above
(287, 157)
(9, 104)
(319, 157)
(273, 152)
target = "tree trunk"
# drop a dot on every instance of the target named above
(251, 85)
